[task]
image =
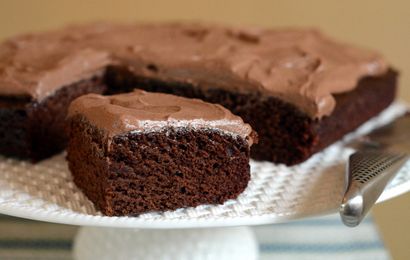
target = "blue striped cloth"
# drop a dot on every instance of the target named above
(320, 238)
(316, 238)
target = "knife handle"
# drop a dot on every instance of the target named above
(367, 174)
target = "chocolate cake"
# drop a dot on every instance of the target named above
(35, 129)
(139, 152)
(299, 89)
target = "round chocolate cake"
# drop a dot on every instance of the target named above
(299, 89)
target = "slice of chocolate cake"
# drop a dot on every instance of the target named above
(299, 89)
(139, 152)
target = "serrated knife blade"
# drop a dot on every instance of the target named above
(379, 157)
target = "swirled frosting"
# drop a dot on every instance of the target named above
(300, 66)
(145, 111)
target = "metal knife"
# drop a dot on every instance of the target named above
(379, 157)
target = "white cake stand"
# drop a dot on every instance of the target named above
(276, 193)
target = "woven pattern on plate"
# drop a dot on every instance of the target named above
(276, 193)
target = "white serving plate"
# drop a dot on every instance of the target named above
(276, 193)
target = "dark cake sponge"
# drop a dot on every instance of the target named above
(138, 171)
(176, 169)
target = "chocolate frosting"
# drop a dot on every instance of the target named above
(145, 112)
(303, 67)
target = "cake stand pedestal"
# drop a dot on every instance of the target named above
(193, 244)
